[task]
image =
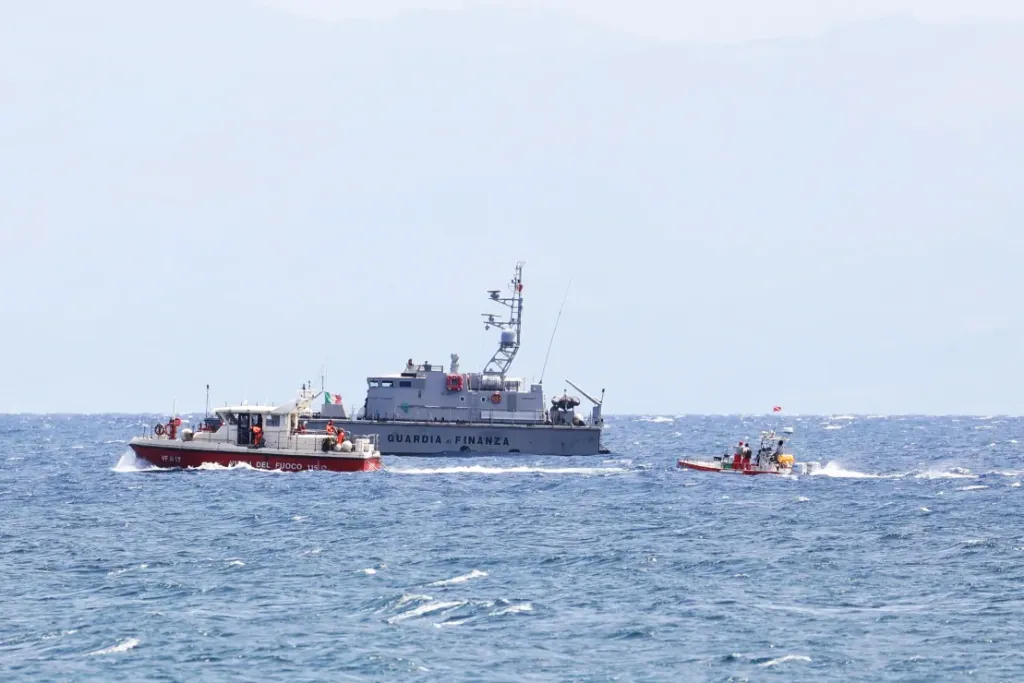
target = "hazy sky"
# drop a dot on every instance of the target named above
(704, 20)
(210, 191)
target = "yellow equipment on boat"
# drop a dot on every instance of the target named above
(786, 459)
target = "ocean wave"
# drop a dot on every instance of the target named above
(123, 646)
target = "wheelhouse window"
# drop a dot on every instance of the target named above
(273, 421)
(405, 383)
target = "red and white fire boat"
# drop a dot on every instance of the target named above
(264, 437)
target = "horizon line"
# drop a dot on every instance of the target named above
(832, 415)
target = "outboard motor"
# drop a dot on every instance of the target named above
(807, 467)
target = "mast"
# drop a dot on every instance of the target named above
(510, 329)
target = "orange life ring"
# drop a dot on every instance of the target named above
(495, 397)
(158, 430)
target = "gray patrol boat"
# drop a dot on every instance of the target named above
(425, 410)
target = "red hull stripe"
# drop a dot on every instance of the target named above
(705, 468)
(179, 458)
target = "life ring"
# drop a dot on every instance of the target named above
(495, 398)
(158, 430)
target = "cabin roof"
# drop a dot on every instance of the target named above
(258, 410)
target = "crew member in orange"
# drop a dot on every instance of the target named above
(341, 436)
(331, 429)
(257, 435)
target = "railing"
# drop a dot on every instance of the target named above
(423, 367)
(512, 415)
(279, 439)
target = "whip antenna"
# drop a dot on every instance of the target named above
(552, 340)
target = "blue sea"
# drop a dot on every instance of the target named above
(903, 560)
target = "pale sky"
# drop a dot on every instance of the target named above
(210, 191)
(721, 20)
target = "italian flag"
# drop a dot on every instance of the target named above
(332, 398)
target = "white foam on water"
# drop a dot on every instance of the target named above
(129, 463)
(972, 488)
(120, 647)
(787, 658)
(369, 571)
(512, 609)
(236, 563)
(116, 572)
(803, 499)
(410, 597)
(659, 419)
(834, 469)
(475, 574)
(215, 467)
(924, 509)
(524, 469)
(954, 473)
(426, 608)
(833, 426)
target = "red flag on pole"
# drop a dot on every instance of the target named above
(777, 409)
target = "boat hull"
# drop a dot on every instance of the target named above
(445, 438)
(716, 466)
(180, 457)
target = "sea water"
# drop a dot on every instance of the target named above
(901, 560)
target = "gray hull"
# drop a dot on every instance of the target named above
(438, 438)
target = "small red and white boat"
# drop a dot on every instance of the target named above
(264, 437)
(770, 458)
